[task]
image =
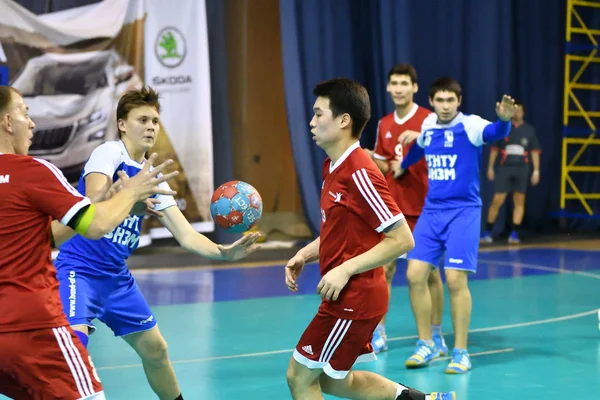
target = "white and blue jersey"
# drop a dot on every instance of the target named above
(451, 218)
(115, 247)
(453, 155)
(94, 279)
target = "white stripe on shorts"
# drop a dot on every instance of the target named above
(75, 364)
(334, 339)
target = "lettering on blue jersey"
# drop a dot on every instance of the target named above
(126, 233)
(441, 166)
(72, 294)
(427, 140)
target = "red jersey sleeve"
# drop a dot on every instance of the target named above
(50, 193)
(371, 200)
(379, 152)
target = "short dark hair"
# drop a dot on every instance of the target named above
(145, 96)
(519, 104)
(6, 99)
(347, 96)
(445, 85)
(403, 69)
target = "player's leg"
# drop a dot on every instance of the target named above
(427, 252)
(521, 181)
(318, 355)
(379, 340)
(461, 260)
(502, 186)
(49, 364)
(303, 382)
(79, 297)
(436, 290)
(129, 316)
(152, 349)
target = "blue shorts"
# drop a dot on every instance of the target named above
(113, 298)
(454, 231)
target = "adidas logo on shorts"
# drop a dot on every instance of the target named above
(308, 349)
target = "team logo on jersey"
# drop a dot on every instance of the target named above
(337, 197)
(427, 140)
(448, 138)
(4, 178)
(524, 142)
(388, 135)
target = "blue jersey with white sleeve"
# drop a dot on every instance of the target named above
(453, 155)
(111, 251)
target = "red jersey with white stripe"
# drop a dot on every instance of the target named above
(410, 189)
(356, 207)
(33, 192)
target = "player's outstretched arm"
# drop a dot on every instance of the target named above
(197, 243)
(101, 218)
(398, 240)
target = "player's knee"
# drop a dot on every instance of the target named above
(154, 350)
(456, 281)
(416, 274)
(498, 200)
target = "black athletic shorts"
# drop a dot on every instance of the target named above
(512, 179)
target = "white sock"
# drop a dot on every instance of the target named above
(436, 329)
(400, 390)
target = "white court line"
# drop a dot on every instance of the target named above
(268, 353)
(516, 264)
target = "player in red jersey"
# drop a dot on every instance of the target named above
(361, 230)
(42, 358)
(396, 133)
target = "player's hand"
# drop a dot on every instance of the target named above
(490, 174)
(146, 207)
(240, 248)
(145, 183)
(369, 152)
(395, 167)
(408, 137)
(332, 283)
(292, 271)
(505, 109)
(535, 178)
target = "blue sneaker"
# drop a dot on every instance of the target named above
(422, 355)
(486, 237)
(379, 341)
(514, 238)
(442, 396)
(440, 344)
(461, 362)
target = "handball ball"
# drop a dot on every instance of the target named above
(236, 206)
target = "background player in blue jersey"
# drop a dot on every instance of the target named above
(450, 221)
(94, 279)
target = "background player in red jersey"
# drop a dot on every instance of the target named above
(396, 133)
(42, 358)
(361, 229)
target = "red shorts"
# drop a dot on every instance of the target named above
(46, 364)
(334, 344)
